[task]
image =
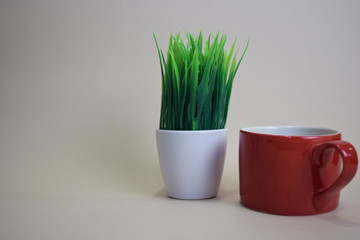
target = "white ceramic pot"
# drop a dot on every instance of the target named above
(192, 162)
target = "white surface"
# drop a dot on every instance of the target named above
(291, 130)
(80, 99)
(192, 162)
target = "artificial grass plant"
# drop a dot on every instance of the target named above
(197, 79)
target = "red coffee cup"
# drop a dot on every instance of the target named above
(291, 170)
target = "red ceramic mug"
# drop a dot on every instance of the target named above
(290, 170)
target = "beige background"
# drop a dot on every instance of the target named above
(80, 99)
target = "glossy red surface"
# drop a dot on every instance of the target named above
(294, 175)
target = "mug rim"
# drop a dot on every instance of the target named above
(291, 131)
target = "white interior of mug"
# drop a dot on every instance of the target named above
(291, 131)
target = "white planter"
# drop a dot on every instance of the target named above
(192, 162)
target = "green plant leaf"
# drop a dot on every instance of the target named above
(197, 79)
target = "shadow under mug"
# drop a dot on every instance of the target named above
(291, 170)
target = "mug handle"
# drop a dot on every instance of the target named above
(321, 156)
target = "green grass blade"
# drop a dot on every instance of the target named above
(162, 109)
(242, 56)
(176, 78)
(193, 84)
(184, 96)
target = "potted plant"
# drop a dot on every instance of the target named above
(197, 79)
